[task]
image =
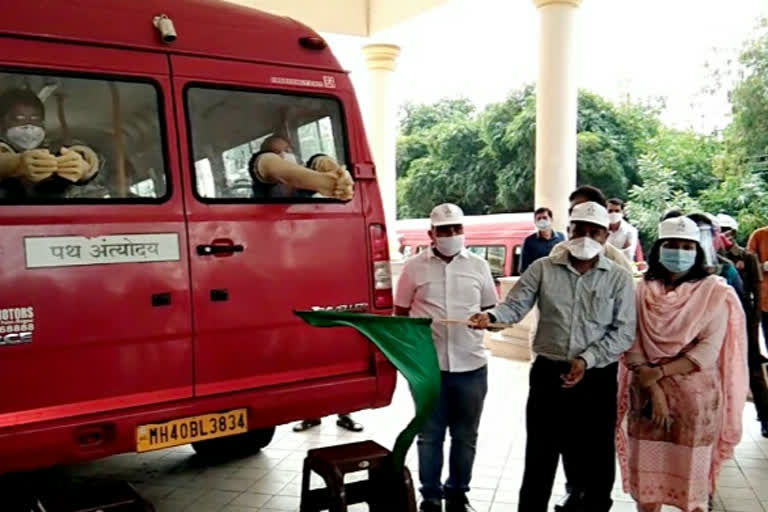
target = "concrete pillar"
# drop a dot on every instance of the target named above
(556, 107)
(381, 128)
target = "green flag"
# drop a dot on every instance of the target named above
(407, 343)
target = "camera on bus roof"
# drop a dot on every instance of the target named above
(164, 25)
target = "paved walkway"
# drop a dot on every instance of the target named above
(176, 481)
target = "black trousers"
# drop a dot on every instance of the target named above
(577, 424)
(757, 383)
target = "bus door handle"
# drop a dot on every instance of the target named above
(219, 248)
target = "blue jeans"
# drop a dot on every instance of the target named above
(458, 410)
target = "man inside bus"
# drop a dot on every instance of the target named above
(277, 173)
(30, 166)
(539, 244)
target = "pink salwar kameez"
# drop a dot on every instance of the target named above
(704, 321)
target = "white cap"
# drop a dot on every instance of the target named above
(590, 212)
(446, 214)
(681, 228)
(728, 222)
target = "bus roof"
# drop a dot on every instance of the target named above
(210, 28)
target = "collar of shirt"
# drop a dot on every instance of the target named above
(563, 258)
(621, 227)
(552, 237)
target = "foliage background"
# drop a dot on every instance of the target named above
(484, 159)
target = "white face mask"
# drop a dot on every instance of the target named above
(543, 224)
(449, 245)
(27, 136)
(584, 248)
(289, 157)
(615, 218)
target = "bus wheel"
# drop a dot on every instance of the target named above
(232, 447)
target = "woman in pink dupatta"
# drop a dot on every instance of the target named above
(683, 384)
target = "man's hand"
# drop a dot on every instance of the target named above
(324, 164)
(648, 376)
(71, 165)
(37, 164)
(578, 368)
(660, 409)
(480, 321)
(740, 265)
(344, 187)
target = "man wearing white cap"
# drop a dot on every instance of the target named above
(447, 281)
(587, 321)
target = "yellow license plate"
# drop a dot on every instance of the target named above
(191, 430)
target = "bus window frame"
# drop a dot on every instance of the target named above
(261, 90)
(162, 124)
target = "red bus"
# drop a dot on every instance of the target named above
(152, 305)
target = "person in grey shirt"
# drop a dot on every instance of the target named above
(587, 320)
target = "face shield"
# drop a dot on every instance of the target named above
(708, 246)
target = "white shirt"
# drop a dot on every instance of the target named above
(624, 239)
(432, 288)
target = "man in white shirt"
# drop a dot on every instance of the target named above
(621, 234)
(447, 281)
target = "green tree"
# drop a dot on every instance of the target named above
(744, 196)
(452, 170)
(415, 122)
(691, 155)
(607, 146)
(598, 164)
(749, 99)
(660, 191)
(741, 168)
(486, 162)
(409, 148)
(417, 117)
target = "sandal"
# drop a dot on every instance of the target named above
(305, 425)
(346, 422)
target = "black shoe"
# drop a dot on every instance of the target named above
(305, 425)
(572, 502)
(346, 422)
(458, 505)
(431, 506)
(764, 428)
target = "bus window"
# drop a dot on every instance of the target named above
(495, 255)
(229, 127)
(93, 140)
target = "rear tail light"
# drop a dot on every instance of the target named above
(381, 271)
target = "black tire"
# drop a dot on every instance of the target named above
(234, 447)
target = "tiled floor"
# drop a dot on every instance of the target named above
(176, 482)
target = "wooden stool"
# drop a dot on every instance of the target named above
(383, 491)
